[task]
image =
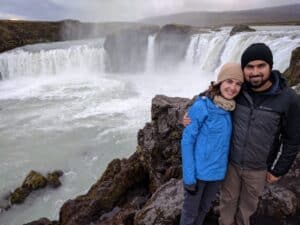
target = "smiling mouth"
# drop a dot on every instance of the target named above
(258, 76)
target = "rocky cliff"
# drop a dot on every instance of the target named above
(18, 33)
(127, 49)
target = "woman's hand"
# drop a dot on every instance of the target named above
(186, 120)
(191, 189)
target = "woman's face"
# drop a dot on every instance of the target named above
(230, 88)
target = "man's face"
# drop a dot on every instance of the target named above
(257, 73)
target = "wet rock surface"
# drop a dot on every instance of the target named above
(127, 49)
(171, 44)
(15, 34)
(241, 28)
(43, 221)
(33, 181)
(164, 207)
(293, 72)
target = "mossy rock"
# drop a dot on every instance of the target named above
(53, 178)
(19, 195)
(34, 181)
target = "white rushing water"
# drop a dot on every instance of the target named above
(210, 50)
(60, 110)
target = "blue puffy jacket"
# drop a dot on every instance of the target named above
(205, 142)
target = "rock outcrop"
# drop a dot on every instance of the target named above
(33, 181)
(241, 28)
(18, 33)
(43, 221)
(127, 49)
(171, 44)
(293, 72)
(156, 211)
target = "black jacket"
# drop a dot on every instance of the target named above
(266, 128)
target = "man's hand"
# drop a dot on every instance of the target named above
(186, 120)
(271, 178)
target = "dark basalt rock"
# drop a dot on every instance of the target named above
(127, 49)
(241, 28)
(164, 207)
(293, 72)
(43, 221)
(171, 44)
(33, 181)
(120, 177)
(53, 178)
(159, 141)
(19, 195)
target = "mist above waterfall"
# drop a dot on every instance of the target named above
(121, 10)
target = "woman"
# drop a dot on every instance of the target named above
(205, 143)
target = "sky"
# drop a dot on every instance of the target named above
(119, 10)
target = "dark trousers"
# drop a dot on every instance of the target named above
(196, 206)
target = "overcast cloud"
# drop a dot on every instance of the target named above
(119, 10)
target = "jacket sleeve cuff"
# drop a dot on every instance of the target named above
(190, 187)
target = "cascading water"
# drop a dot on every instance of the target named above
(211, 50)
(35, 60)
(61, 110)
(150, 54)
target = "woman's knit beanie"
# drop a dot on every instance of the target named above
(230, 70)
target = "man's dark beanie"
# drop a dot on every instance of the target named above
(257, 51)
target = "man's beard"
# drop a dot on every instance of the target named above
(257, 83)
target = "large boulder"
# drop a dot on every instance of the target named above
(159, 141)
(127, 49)
(121, 180)
(43, 221)
(164, 207)
(171, 44)
(34, 181)
(241, 28)
(293, 71)
(278, 201)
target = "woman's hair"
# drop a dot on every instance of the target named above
(212, 91)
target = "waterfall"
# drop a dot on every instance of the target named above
(210, 50)
(206, 50)
(36, 60)
(150, 54)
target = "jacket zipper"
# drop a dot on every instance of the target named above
(247, 96)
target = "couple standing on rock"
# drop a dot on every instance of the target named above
(238, 136)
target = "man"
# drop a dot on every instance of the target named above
(265, 138)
